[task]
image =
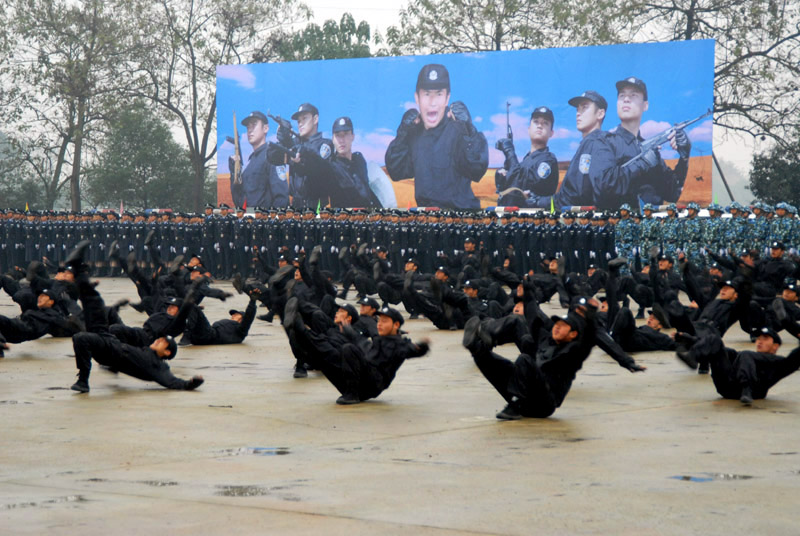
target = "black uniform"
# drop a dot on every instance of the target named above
(201, 333)
(443, 161)
(349, 184)
(307, 179)
(538, 381)
(261, 184)
(97, 343)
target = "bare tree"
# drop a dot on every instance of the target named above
(183, 42)
(63, 71)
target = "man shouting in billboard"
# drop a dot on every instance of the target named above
(438, 146)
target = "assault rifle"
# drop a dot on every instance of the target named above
(663, 137)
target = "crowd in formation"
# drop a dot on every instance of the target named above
(476, 272)
(231, 241)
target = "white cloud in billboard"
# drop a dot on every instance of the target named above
(409, 104)
(565, 134)
(373, 144)
(701, 132)
(648, 129)
(240, 74)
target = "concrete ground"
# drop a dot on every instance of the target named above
(254, 451)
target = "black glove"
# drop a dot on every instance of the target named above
(407, 124)
(285, 137)
(461, 113)
(507, 146)
(648, 161)
(683, 143)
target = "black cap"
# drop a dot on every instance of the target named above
(48, 292)
(543, 111)
(589, 95)
(469, 239)
(790, 286)
(777, 245)
(224, 205)
(660, 315)
(350, 311)
(371, 302)
(575, 321)
(433, 76)
(769, 332)
(255, 115)
(729, 283)
(471, 284)
(412, 259)
(665, 257)
(394, 314)
(632, 81)
(172, 346)
(342, 124)
(444, 270)
(305, 107)
(174, 301)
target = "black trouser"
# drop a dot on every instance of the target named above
(130, 335)
(365, 284)
(389, 294)
(16, 331)
(427, 306)
(521, 383)
(731, 371)
(92, 345)
(511, 328)
(351, 373)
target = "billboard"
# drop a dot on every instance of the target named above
(531, 128)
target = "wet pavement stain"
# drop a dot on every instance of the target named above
(241, 491)
(709, 477)
(782, 453)
(257, 451)
(57, 389)
(58, 500)
(158, 483)
(12, 402)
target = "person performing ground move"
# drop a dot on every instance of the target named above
(358, 371)
(148, 363)
(537, 383)
(747, 375)
(200, 332)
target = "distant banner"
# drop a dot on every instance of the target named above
(592, 126)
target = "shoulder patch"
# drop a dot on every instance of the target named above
(324, 151)
(283, 172)
(585, 163)
(543, 170)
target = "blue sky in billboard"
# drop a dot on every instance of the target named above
(375, 92)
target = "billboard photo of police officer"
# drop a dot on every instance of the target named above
(448, 140)
(438, 146)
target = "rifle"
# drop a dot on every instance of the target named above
(237, 166)
(662, 137)
(509, 132)
(283, 123)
